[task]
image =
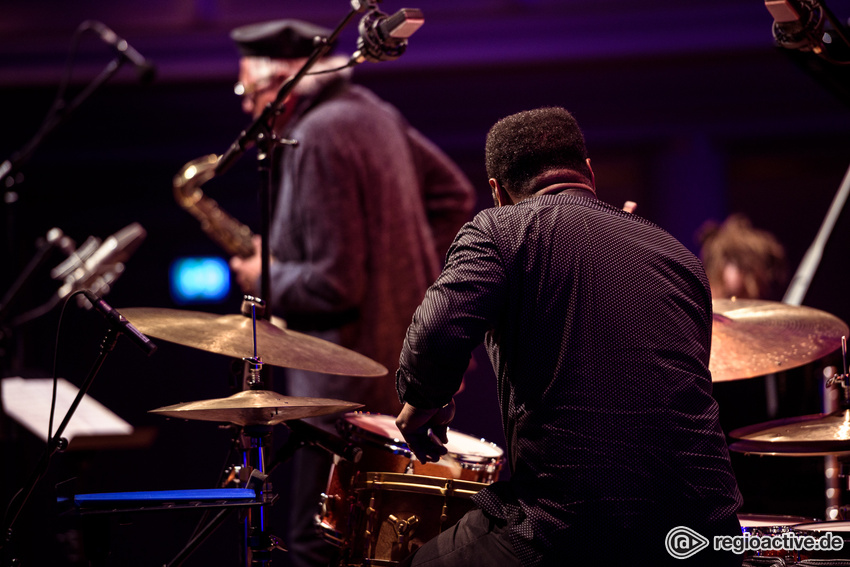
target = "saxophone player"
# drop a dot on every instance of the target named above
(366, 208)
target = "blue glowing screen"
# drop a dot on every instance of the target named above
(199, 280)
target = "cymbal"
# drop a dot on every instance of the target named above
(804, 436)
(232, 335)
(256, 407)
(752, 337)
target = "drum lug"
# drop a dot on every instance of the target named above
(403, 526)
(276, 543)
(370, 518)
(236, 475)
(325, 504)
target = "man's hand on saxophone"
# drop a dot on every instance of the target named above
(247, 270)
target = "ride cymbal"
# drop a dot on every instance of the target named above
(752, 337)
(804, 436)
(232, 335)
(256, 407)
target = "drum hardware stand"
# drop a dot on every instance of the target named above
(841, 466)
(256, 439)
(842, 379)
(796, 292)
(257, 481)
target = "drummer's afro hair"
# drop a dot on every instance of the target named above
(524, 145)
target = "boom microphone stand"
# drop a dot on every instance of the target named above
(261, 133)
(117, 325)
(381, 38)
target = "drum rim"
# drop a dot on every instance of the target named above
(803, 527)
(417, 483)
(804, 520)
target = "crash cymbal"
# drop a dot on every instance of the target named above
(752, 337)
(256, 407)
(805, 436)
(232, 335)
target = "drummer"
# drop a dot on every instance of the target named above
(598, 325)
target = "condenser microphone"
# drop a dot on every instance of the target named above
(124, 326)
(99, 268)
(146, 69)
(383, 37)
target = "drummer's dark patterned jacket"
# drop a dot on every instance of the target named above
(598, 325)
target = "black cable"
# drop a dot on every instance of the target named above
(58, 104)
(227, 460)
(69, 66)
(836, 24)
(37, 312)
(55, 364)
(52, 402)
(334, 70)
(829, 59)
(60, 108)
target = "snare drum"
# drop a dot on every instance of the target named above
(384, 450)
(766, 524)
(397, 513)
(763, 525)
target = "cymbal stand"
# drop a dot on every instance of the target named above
(842, 379)
(839, 480)
(256, 440)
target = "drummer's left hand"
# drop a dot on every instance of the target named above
(426, 430)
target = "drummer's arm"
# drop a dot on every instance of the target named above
(457, 311)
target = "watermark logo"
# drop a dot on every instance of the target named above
(683, 542)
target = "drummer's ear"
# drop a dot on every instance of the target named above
(500, 195)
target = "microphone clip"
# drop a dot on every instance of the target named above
(384, 38)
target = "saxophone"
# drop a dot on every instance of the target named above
(222, 228)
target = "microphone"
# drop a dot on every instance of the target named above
(384, 38)
(92, 268)
(145, 69)
(312, 435)
(125, 326)
(797, 24)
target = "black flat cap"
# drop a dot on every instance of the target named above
(278, 39)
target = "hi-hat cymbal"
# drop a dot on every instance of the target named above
(232, 335)
(805, 436)
(256, 407)
(752, 337)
